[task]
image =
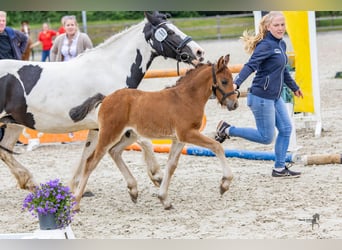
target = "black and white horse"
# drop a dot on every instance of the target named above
(43, 95)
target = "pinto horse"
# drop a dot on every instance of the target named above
(42, 95)
(174, 113)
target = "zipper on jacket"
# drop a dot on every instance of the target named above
(267, 82)
(282, 71)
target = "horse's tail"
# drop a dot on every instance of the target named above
(78, 113)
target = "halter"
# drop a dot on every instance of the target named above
(216, 87)
(161, 34)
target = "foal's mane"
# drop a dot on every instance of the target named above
(190, 73)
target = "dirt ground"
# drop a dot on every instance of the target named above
(257, 206)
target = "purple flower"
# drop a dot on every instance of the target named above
(51, 197)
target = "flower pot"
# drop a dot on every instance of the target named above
(47, 221)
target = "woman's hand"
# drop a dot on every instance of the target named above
(298, 93)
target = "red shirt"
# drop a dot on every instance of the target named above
(46, 38)
(61, 30)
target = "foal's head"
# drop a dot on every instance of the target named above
(223, 87)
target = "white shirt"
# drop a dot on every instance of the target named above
(69, 47)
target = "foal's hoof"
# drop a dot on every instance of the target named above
(157, 178)
(168, 207)
(157, 182)
(76, 208)
(223, 190)
(165, 202)
(225, 183)
(134, 197)
(29, 185)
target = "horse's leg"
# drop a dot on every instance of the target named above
(196, 138)
(24, 177)
(88, 148)
(152, 166)
(106, 139)
(175, 152)
(116, 153)
(89, 167)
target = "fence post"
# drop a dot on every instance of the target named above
(218, 22)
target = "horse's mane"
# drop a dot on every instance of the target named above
(112, 39)
(189, 73)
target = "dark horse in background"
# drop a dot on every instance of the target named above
(43, 95)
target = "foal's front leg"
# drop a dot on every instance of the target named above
(172, 162)
(196, 138)
(152, 166)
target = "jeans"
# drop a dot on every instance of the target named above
(45, 55)
(268, 114)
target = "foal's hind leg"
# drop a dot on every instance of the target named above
(116, 153)
(153, 168)
(91, 164)
(175, 152)
(88, 148)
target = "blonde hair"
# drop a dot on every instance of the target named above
(3, 13)
(65, 18)
(252, 40)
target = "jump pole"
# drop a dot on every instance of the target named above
(306, 160)
(162, 73)
(200, 151)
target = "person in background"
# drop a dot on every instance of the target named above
(269, 60)
(12, 45)
(12, 42)
(45, 38)
(71, 43)
(61, 29)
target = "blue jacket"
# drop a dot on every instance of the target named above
(269, 60)
(18, 42)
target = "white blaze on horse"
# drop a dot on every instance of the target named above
(42, 95)
(174, 113)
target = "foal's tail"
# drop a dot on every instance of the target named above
(78, 113)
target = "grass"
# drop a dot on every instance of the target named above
(197, 28)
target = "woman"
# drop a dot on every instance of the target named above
(45, 38)
(71, 43)
(269, 61)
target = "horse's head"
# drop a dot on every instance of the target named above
(223, 87)
(168, 41)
